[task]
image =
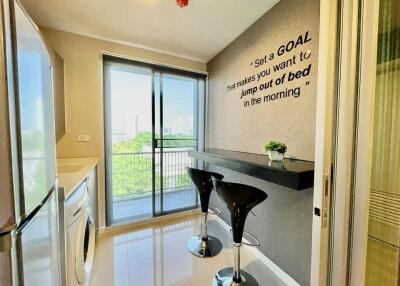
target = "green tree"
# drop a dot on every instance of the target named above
(132, 170)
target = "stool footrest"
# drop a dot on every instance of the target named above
(214, 211)
(257, 242)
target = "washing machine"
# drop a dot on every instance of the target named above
(80, 237)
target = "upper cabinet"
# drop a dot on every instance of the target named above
(59, 98)
(57, 63)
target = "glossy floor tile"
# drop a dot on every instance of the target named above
(157, 256)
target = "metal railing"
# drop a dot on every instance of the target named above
(132, 173)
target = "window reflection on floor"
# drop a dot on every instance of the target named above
(138, 256)
(157, 256)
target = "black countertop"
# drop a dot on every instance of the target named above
(292, 173)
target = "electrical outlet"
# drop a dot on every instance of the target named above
(83, 138)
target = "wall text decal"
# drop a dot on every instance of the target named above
(280, 74)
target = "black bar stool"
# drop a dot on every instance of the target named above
(239, 199)
(204, 245)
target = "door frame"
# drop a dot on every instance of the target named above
(155, 68)
(363, 130)
(345, 95)
(343, 138)
(324, 143)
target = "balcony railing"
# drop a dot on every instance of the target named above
(132, 182)
(132, 172)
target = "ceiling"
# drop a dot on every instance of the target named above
(198, 32)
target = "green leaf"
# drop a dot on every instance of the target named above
(275, 146)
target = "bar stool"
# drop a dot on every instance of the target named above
(204, 245)
(239, 199)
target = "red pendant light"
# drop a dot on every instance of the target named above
(182, 3)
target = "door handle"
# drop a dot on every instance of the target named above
(324, 211)
(155, 142)
(325, 201)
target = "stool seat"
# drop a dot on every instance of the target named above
(204, 245)
(203, 182)
(239, 199)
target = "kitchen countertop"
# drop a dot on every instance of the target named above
(72, 171)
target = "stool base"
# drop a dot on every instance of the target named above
(224, 278)
(204, 248)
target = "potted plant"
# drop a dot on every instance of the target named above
(275, 150)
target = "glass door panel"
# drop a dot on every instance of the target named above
(176, 122)
(384, 211)
(130, 156)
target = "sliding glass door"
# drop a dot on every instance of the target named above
(129, 138)
(365, 202)
(152, 118)
(380, 203)
(175, 132)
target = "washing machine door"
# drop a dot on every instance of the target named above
(85, 247)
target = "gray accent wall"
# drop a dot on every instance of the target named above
(291, 120)
(283, 223)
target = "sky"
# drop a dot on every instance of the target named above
(131, 102)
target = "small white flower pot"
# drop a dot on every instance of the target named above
(275, 156)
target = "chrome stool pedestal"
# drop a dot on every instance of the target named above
(204, 245)
(234, 276)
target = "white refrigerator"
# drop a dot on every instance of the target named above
(30, 240)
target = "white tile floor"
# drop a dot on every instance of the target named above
(157, 256)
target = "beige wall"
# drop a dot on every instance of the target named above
(292, 120)
(84, 94)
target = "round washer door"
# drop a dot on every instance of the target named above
(85, 247)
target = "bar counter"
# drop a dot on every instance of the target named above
(292, 173)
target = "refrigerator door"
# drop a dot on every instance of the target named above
(35, 112)
(7, 210)
(38, 245)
